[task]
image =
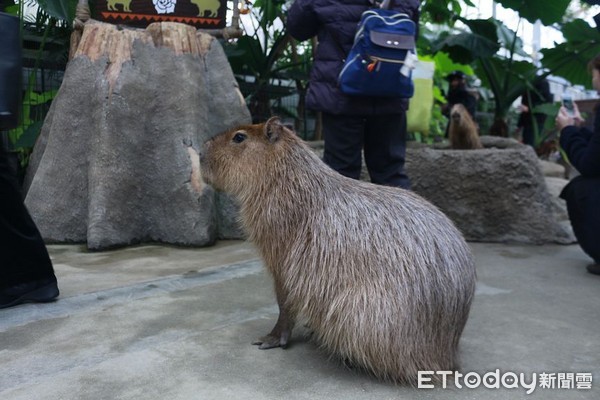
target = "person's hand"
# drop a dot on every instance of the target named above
(576, 115)
(563, 118)
(523, 108)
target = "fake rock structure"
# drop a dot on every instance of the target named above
(117, 160)
(495, 194)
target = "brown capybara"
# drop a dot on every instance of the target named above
(382, 278)
(463, 131)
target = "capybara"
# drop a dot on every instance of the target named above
(382, 278)
(462, 132)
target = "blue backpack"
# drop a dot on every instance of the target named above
(382, 58)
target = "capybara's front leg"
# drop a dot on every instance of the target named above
(282, 331)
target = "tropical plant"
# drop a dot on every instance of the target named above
(497, 55)
(442, 12)
(267, 53)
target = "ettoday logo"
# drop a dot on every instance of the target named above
(508, 380)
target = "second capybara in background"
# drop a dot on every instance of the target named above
(463, 131)
(382, 277)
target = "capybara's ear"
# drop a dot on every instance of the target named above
(273, 129)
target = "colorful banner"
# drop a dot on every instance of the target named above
(206, 14)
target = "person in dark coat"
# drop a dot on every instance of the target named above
(458, 93)
(351, 123)
(26, 272)
(582, 194)
(529, 100)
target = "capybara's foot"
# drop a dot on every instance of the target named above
(272, 340)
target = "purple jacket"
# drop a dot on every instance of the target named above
(334, 22)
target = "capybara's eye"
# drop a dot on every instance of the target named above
(239, 137)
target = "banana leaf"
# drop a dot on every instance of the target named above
(570, 59)
(547, 11)
(60, 9)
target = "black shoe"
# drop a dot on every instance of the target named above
(594, 269)
(40, 291)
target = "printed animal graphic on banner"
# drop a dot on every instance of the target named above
(112, 5)
(212, 6)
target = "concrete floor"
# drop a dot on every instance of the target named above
(159, 322)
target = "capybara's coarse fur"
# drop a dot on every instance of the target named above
(462, 132)
(380, 275)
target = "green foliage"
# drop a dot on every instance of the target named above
(268, 53)
(442, 12)
(494, 50)
(465, 47)
(438, 96)
(485, 38)
(549, 12)
(25, 135)
(543, 133)
(437, 125)
(62, 10)
(570, 59)
(444, 65)
(550, 109)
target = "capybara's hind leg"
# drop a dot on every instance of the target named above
(282, 331)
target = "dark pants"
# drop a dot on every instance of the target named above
(23, 254)
(583, 205)
(383, 138)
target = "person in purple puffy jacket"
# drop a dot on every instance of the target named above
(351, 123)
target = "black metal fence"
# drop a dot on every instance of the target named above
(41, 78)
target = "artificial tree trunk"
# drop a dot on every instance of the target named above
(117, 161)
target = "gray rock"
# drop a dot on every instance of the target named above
(497, 194)
(552, 169)
(500, 142)
(57, 177)
(555, 186)
(494, 194)
(119, 165)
